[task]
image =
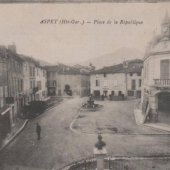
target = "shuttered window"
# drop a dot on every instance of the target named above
(133, 85)
(164, 68)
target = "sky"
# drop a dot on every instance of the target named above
(74, 43)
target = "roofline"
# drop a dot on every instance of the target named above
(156, 53)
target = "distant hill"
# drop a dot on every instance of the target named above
(115, 58)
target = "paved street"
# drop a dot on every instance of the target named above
(114, 117)
(59, 145)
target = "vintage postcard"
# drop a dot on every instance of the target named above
(84, 86)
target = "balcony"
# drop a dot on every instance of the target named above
(162, 82)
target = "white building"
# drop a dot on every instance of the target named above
(35, 79)
(41, 82)
(156, 74)
(62, 78)
(117, 80)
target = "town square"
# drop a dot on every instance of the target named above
(85, 95)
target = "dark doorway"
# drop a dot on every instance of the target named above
(164, 107)
(113, 93)
(51, 91)
(68, 90)
(119, 93)
(164, 101)
(96, 93)
(138, 94)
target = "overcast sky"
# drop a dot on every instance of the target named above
(74, 43)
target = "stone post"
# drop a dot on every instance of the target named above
(100, 153)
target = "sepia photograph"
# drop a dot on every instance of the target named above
(85, 86)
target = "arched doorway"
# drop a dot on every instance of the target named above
(68, 90)
(164, 107)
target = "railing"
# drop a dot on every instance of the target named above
(162, 82)
(83, 164)
(117, 162)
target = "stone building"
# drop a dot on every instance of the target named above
(156, 74)
(5, 110)
(62, 79)
(15, 82)
(122, 79)
(35, 80)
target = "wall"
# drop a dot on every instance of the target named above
(41, 76)
(79, 83)
(112, 82)
(153, 70)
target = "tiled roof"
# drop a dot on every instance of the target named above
(14, 55)
(134, 66)
(4, 52)
(30, 59)
(64, 69)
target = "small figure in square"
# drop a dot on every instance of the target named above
(38, 130)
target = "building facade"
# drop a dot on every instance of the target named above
(15, 83)
(35, 80)
(122, 79)
(5, 110)
(156, 74)
(62, 79)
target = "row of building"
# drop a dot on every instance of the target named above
(124, 79)
(148, 79)
(156, 74)
(23, 79)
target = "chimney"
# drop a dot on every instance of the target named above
(12, 47)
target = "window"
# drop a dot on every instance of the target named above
(54, 83)
(30, 70)
(97, 83)
(140, 83)
(31, 86)
(104, 74)
(133, 85)
(21, 85)
(18, 85)
(131, 74)
(39, 85)
(164, 69)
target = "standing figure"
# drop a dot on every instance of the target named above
(38, 130)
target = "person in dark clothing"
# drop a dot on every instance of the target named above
(38, 130)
